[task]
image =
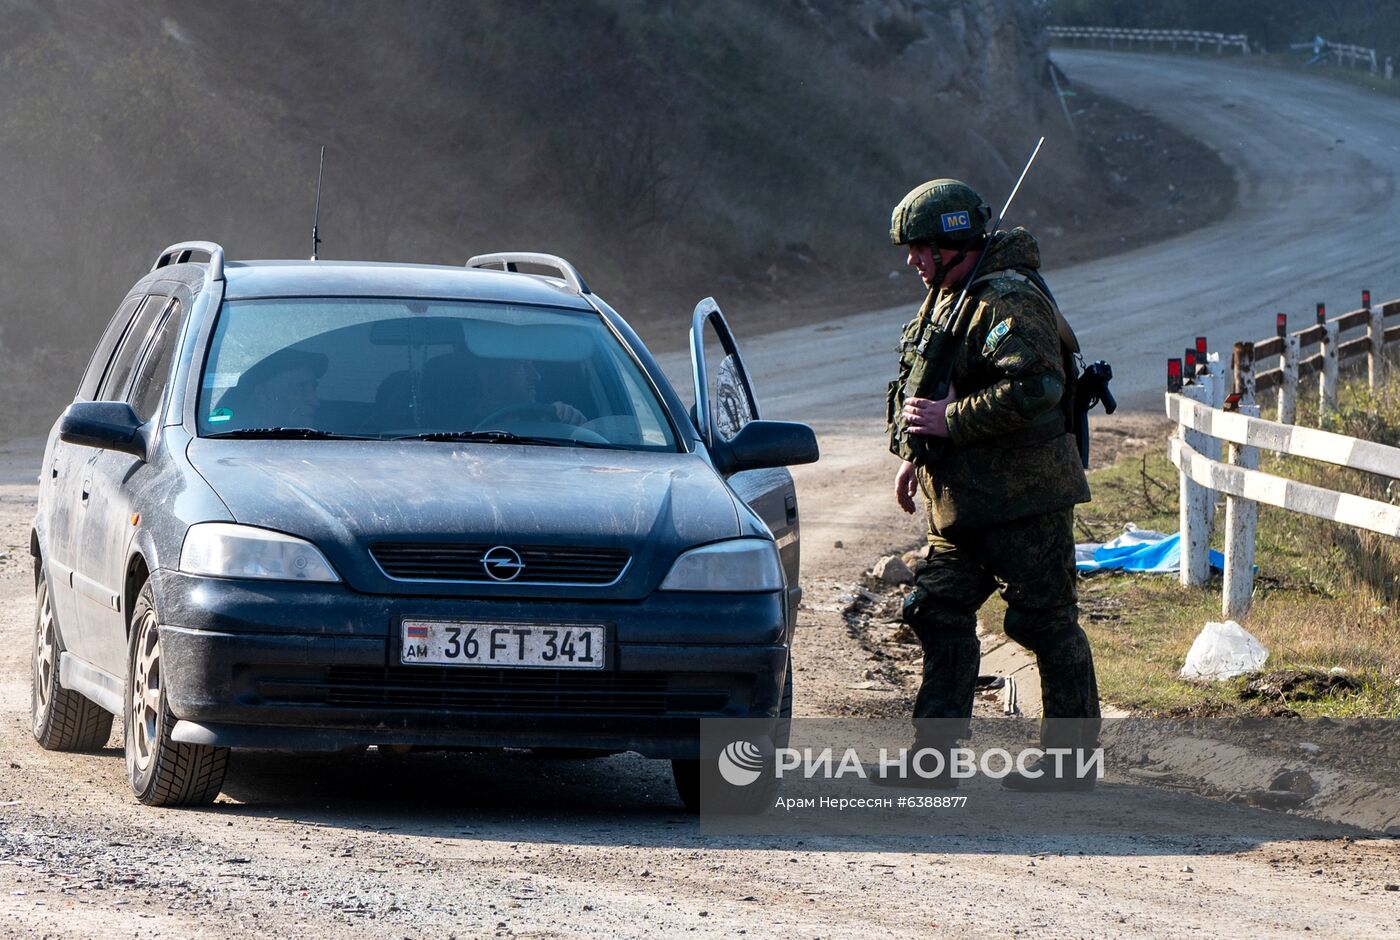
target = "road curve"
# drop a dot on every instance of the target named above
(1316, 164)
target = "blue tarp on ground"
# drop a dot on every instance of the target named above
(1138, 550)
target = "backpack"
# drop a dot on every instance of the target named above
(1085, 385)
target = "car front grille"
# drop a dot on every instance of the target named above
(536, 691)
(445, 561)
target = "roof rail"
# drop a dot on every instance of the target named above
(509, 259)
(180, 253)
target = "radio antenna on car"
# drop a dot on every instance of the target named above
(316, 219)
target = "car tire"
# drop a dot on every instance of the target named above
(61, 719)
(692, 776)
(162, 772)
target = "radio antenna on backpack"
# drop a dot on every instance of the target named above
(1001, 217)
(954, 324)
(1014, 189)
(316, 219)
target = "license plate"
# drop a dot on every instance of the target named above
(544, 646)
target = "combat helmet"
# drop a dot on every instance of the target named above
(942, 212)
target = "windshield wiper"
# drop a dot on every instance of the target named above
(499, 437)
(299, 434)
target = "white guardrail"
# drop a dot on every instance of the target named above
(1352, 55)
(1112, 35)
(1344, 54)
(1207, 421)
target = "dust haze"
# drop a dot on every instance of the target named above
(671, 150)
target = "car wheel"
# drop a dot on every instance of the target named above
(162, 772)
(782, 732)
(694, 776)
(61, 719)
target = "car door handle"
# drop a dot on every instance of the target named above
(790, 504)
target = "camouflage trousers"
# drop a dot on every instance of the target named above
(1031, 562)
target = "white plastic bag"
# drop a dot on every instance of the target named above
(1223, 650)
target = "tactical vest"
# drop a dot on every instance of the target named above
(1069, 343)
(1031, 470)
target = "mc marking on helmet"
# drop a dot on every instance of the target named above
(956, 221)
(943, 211)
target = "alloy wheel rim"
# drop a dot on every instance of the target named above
(144, 708)
(45, 658)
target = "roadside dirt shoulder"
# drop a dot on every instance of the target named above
(514, 845)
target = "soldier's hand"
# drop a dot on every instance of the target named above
(923, 416)
(906, 484)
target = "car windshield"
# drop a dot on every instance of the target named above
(325, 368)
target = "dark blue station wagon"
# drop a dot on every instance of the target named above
(319, 506)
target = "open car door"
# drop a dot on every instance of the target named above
(724, 405)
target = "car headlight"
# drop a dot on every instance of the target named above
(228, 550)
(735, 565)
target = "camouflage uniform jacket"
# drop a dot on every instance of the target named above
(1010, 452)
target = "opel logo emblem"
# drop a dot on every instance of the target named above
(502, 563)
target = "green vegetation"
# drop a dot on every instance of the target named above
(1325, 598)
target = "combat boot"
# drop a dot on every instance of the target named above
(939, 736)
(1042, 777)
(1074, 742)
(943, 779)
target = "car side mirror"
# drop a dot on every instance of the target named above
(762, 444)
(110, 425)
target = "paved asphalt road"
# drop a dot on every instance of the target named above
(1316, 163)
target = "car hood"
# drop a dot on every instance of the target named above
(348, 495)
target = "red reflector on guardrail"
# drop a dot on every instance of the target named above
(1281, 321)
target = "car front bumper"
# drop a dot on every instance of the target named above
(316, 667)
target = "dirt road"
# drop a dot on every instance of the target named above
(430, 845)
(477, 845)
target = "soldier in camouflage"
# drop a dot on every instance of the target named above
(1000, 482)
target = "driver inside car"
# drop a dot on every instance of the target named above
(277, 391)
(504, 385)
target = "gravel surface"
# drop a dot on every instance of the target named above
(431, 845)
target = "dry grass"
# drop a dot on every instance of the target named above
(1325, 595)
